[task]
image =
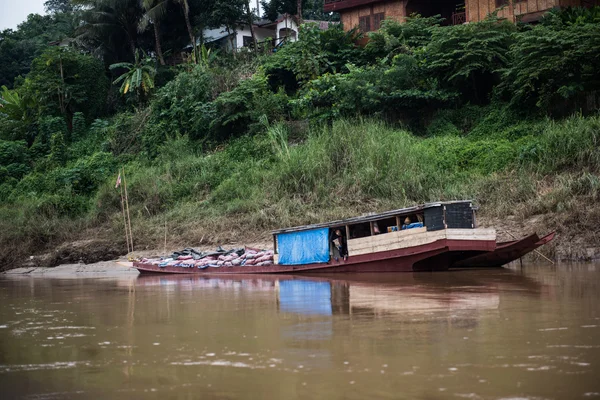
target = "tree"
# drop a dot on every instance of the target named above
(19, 47)
(228, 13)
(59, 6)
(154, 11)
(138, 77)
(250, 17)
(274, 8)
(106, 23)
(186, 13)
(309, 9)
(63, 81)
(299, 11)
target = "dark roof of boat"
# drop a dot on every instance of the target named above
(369, 217)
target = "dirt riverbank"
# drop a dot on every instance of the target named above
(116, 268)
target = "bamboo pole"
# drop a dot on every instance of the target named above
(539, 253)
(124, 216)
(165, 248)
(127, 207)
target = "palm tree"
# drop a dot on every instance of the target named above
(107, 22)
(154, 10)
(186, 13)
(139, 76)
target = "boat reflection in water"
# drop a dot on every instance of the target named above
(364, 294)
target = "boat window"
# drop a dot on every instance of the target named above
(360, 230)
(388, 225)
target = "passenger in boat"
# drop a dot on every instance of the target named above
(340, 245)
(376, 230)
(408, 224)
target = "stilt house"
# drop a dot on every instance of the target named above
(368, 14)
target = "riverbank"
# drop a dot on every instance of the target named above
(239, 193)
(569, 245)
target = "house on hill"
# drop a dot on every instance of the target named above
(284, 29)
(368, 14)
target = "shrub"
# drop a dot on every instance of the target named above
(392, 91)
(467, 58)
(554, 69)
(394, 37)
(240, 110)
(317, 52)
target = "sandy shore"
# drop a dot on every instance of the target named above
(116, 268)
(113, 268)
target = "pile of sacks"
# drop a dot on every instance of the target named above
(190, 258)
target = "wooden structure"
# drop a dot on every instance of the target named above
(428, 237)
(368, 14)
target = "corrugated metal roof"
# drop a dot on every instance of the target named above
(369, 217)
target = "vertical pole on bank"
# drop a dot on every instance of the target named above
(165, 249)
(127, 207)
(124, 215)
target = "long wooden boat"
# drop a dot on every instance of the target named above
(433, 237)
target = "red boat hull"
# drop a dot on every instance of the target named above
(506, 252)
(436, 256)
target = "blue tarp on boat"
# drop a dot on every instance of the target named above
(306, 247)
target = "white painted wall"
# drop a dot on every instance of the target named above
(286, 23)
(275, 32)
(261, 34)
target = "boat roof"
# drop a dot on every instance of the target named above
(369, 217)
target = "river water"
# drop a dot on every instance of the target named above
(531, 332)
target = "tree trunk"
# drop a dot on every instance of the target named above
(299, 12)
(131, 46)
(186, 13)
(157, 44)
(231, 40)
(251, 22)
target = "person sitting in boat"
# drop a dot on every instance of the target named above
(408, 224)
(340, 247)
(376, 230)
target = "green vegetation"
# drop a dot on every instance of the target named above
(225, 148)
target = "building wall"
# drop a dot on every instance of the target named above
(261, 34)
(395, 9)
(478, 10)
(286, 23)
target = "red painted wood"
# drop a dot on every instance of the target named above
(506, 253)
(400, 260)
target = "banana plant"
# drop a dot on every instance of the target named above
(13, 105)
(138, 77)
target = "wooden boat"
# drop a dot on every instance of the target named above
(434, 236)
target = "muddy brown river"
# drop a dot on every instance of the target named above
(530, 333)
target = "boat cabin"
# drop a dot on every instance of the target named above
(373, 233)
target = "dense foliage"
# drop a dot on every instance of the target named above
(277, 136)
